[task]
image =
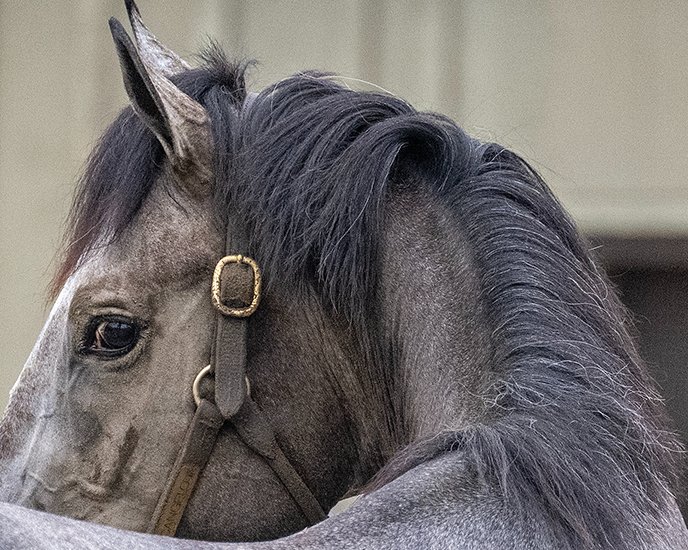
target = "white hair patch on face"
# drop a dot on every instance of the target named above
(50, 327)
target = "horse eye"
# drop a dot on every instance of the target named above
(111, 337)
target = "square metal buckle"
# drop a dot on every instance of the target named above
(216, 295)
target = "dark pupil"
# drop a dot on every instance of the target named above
(114, 335)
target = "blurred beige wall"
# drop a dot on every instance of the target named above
(595, 94)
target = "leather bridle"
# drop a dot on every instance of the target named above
(236, 293)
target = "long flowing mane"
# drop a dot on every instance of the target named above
(575, 427)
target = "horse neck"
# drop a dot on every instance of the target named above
(432, 318)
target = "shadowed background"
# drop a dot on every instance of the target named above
(594, 95)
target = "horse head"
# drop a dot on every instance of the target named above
(105, 399)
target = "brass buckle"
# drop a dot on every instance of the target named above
(217, 301)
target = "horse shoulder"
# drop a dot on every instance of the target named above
(436, 505)
(439, 505)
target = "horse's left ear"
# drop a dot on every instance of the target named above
(180, 123)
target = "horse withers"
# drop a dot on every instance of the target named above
(420, 324)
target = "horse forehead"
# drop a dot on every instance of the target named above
(172, 238)
(171, 241)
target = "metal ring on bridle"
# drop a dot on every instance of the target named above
(196, 387)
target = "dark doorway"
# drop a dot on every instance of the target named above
(651, 276)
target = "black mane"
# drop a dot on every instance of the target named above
(578, 429)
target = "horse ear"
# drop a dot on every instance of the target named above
(180, 123)
(151, 50)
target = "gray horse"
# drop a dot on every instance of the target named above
(429, 331)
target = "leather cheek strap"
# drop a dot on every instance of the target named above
(197, 447)
(237, 284)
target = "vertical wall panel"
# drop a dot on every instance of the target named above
(35, 167)
(594, 93)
